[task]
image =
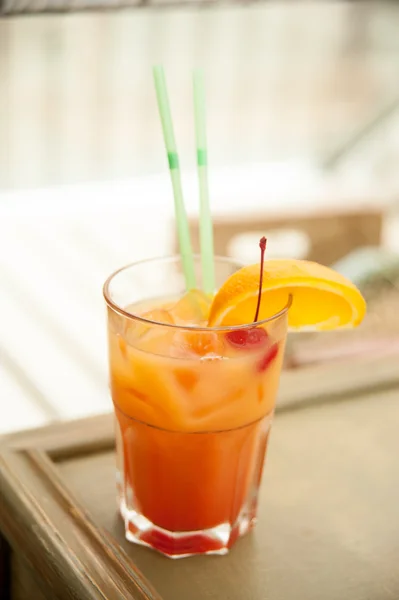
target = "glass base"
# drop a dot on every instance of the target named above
(217, 540)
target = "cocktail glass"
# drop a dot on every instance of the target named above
(193, 409)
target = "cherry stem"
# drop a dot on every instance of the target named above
(262, 246)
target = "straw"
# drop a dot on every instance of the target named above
(206, 232)
(183, 231)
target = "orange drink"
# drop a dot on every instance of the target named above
(194, 380)
(193, 407)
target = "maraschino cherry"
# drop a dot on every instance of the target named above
(255, 337)
(247, 338)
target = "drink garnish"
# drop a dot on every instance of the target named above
(322, 299)
(252, 338)
(268, 357)
(262, 246)
(255, 337)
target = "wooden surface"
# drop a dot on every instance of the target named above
(328, 524)
(25, 582)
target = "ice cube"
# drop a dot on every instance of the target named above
(159, 315)
(145, 336)
(212, 356)
(192, 308)
(196, 344)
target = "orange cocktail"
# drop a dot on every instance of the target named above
(193, 408)
(194, 377)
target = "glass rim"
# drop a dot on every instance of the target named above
(176, 257)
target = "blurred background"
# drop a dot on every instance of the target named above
(303, 133)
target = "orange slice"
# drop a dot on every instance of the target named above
(322, 299)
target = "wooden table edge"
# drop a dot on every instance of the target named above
(62, 535)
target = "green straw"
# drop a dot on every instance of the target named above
(183, 230)
(206, 232)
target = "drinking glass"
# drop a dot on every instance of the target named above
(192, 412)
